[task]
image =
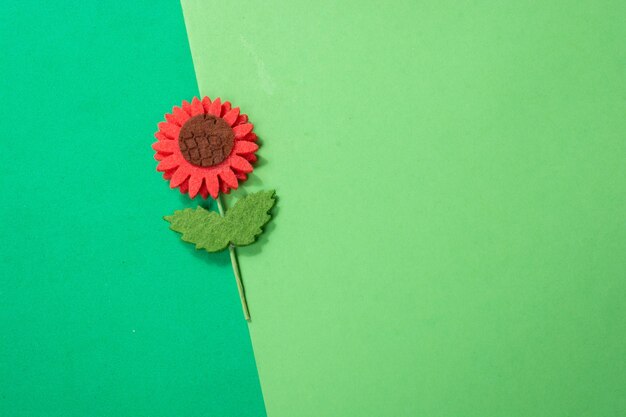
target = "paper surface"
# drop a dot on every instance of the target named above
(103, 310)
(449, 238)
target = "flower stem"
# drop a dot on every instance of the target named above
(233, 260)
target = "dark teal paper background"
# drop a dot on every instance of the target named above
(103, 310)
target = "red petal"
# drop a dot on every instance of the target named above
(224, 188)
(167, 146)
(216, 108)
(168, 174)
(241, 176)
(242, 130)
(186, 107)
(195, 183)
(179, 176)
(206, 103)
(161, 136)
(226, 108)
(184, 187)
(243, 118)
(243, 146)
(168, 163)
(169, 130)
(240, 164)
(171, 119)
(250, 157)
(180, 115)
(212, 184)
(203, 191)
(231, 116)
(229, 178)
(196, 107)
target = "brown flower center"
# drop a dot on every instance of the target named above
(206, 140)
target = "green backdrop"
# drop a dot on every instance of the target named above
(103, 310)
(450, 234)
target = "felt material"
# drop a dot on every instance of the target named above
(198, 147)
(212, 232)
(452, 223)
(206, 140)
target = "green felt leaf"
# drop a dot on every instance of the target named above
(200, 226)
(211, 232)
(248, 215)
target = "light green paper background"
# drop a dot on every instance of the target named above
(450, 234)
(103, 310)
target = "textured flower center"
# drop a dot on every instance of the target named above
(206, 140)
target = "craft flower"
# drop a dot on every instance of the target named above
(205, 147)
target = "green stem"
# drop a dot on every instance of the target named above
(233, 260)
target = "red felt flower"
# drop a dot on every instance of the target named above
(205, 147)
